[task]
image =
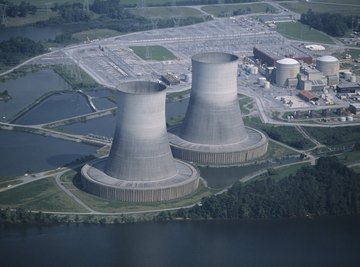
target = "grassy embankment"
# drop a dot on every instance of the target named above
(246, 8)
(166, 12)
(42, 195)
(299, 31)
(154, 52)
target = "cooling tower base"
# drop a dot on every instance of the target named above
(253, 147)
(96, 182)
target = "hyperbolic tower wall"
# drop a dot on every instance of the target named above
(140, 166)
(213, 131)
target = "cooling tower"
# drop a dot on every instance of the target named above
(140, 166)
(213, 131)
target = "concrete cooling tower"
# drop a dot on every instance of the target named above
(140, 166)
(213, 131)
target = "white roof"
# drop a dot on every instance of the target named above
(315, 47)
(328, 59)
(287, 61)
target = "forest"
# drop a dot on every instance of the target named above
(21, 10)
(15, 49)
(336, 25)
(329, 188)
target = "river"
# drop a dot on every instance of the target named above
(291, 242)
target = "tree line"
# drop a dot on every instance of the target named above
(333, 24)
(20, 10)
(15, 49)
(329, 188)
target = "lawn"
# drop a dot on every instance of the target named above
(30, 19)
(285, 134)
(350, 157)
(283, 172)
(166, 12)
(228, 10)
(299, 31)
(43, 195)
(155, 52)
(345, 7)
(94, 34)
(335, 136)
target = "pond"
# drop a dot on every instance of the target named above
(26, 89)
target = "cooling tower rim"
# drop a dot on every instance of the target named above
(141, 87)
(255, 139)
(215, 58)
(93, 171)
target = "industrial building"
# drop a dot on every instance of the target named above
(269, 56)
(348, 87)
(170, 79)
(354, 108)
(213, 131)
(140, 166)
(307, 96)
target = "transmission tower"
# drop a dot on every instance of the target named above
(154, 23)
(48, 7)
(86, 5)
(177, 20)
(3, 13)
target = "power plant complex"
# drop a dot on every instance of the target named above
(213, 131)
(140, 166)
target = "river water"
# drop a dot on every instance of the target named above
(31, 32)
(292, 242)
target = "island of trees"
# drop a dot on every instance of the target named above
(336, 25)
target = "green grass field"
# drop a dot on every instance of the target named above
(335, 136)
(299, 31)
(350, 157)
(347, 7)
(166, 12)
(283, 172)
(94, 34)
(30, 19)
(43, 195)
(221, 11)
(43, 3)
(155, 52)
(285, 134)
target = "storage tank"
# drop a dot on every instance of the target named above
(353, 79)
(347, 75)
(266, 85)
(328, 65)
(350, 118)
(261, 81)
(286, 68)
(254, 70)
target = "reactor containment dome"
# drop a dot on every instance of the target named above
(328, 65)
(286, 68)
(140, 166)
(213, 131)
